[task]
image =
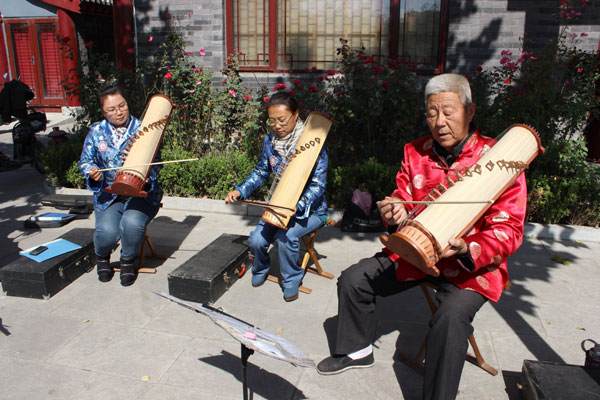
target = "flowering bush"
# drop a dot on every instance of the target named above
(376, 108)
(555, 92)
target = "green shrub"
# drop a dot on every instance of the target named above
(213, 176)
(74, 177)
(370, 175)
(57, 160)
(564, 188)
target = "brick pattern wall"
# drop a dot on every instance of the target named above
(479, 31)
(202, 22)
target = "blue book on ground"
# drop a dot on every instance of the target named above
(55, 248)
(52, 217)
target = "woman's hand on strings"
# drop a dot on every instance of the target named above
(392, 214)
(233, 196)
(95, 174)
(457, 247)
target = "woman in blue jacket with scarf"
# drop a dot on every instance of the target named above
(117, 217)
(311, 210)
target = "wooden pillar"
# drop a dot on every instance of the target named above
(66, 30)
(123, 28)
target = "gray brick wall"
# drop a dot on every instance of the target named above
(201, 21)
(479, 30)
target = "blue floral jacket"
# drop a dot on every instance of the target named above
(312, 200)
(100, 152)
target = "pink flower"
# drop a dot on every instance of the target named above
(384, 84)
(88, 44)
(479, 69)
(313, 89)
(291, 92)
(266, 100)
(129, 51)
(191, 90)
(507, 80)
(168, 75)
(583, 34)
(504, 60)
(189, 13)
(279, 86)
(199, 83)
(231, 92)
(314, 69)
(305, 69)
(331, 73)
(533, 58)
(506, 53)
(151, 38)
(296, 82)
(246, 98)
(202, 52)
(579, 69)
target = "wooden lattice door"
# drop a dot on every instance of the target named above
(35, 58)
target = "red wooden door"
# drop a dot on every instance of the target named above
(35, 58)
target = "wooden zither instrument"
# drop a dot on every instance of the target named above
(421, 239)
(142, 148)
(297, 167)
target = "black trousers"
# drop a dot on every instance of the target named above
(449, 327)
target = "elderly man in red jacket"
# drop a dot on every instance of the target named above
(473, 269)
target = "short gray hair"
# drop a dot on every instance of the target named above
(450, 83)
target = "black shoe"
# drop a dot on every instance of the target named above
(336, 364)
(105, 271)
(128, 272)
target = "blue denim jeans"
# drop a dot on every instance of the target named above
(125, 219)
(288, 246)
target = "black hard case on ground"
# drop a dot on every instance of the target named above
(208, 274)
(551, 380)
(75, 203)
(27, 278)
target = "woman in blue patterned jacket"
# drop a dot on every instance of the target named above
(311, 210)
(117, 217)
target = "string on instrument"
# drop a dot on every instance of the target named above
(145, 165)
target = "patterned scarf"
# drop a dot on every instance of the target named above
(283, 145)
(118, 134)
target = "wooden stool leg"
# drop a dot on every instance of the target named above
(277, 280)
(417, 362)
(478, 359)
(310, 253)
(153, 254)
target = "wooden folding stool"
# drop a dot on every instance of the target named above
(309, 243)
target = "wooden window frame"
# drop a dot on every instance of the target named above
(394, 31)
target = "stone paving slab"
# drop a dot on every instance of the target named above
(101, 341)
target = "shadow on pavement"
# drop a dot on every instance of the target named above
(260, 381)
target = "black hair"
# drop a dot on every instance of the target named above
(110, 89)
(283, 98)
